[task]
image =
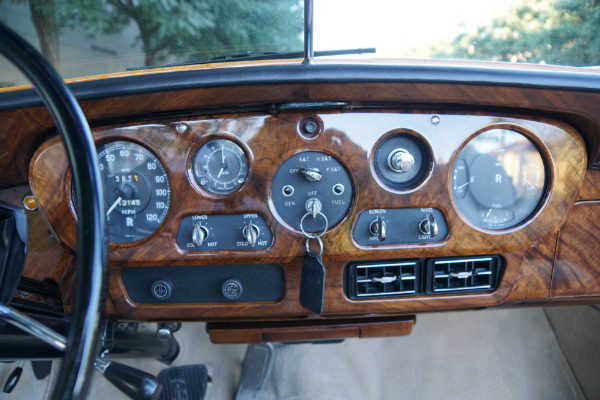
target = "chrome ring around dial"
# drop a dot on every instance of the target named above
(137, 191)
(220, 166)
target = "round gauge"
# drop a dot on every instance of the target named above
(137, 191)
(498, 179)
(220, 166)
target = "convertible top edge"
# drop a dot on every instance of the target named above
(584, 80)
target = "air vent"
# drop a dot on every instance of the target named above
(462, 274)
(385, 279)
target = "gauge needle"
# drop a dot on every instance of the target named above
(220, 172)
(223, 155)
(462, 186)
(116, 203)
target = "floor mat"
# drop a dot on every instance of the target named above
(487, 354)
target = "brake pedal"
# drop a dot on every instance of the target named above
(41, 369)
(186, 382)
(255, 369)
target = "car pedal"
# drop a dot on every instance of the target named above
(255, 369)
(186, 382)
(41, 369)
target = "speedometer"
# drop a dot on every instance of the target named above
(137, 192)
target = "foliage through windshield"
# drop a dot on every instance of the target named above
(560, 32)
(90, 37)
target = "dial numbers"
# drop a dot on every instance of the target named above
(498, 179)
(220, 166)
(137, 192)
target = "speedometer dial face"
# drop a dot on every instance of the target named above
(220, 166)
(137, 192)
(498, 179)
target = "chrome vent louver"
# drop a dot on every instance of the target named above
(386, 279)
(462, 274)
(426, 276)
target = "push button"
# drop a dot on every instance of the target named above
(232, 289)
(161, 289)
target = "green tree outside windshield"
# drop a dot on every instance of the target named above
(560, 32)
(177, 30)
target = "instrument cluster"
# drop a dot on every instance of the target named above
(498, 181)
(258, 186)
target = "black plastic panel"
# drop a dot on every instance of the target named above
(204, 284)
(225, 232)
(402, 225)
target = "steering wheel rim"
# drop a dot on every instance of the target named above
(82, 340)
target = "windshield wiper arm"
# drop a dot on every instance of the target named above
(264, 55)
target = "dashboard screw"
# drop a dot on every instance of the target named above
(181, 128)
(435, 120)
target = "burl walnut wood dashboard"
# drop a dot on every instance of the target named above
(406, 174)
(199, 192)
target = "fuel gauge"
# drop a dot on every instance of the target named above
(498, 179)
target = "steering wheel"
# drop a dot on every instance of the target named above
(82, 340)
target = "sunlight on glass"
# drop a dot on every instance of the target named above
(90, 37)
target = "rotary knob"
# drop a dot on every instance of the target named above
(377, 228)
(429, 226)
(199, 234)
(251, 233)
(400, 160)
(311, 174)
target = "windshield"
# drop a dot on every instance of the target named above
(91, 37)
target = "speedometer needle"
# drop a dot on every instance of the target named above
(115, 204)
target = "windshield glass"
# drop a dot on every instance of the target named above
(91, 37)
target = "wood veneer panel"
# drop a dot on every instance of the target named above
(590, 188)
(46, 258)
(309, 330)
(352, 137)
(577, 269)
(533, 280)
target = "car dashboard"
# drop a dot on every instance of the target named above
(414, 195)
